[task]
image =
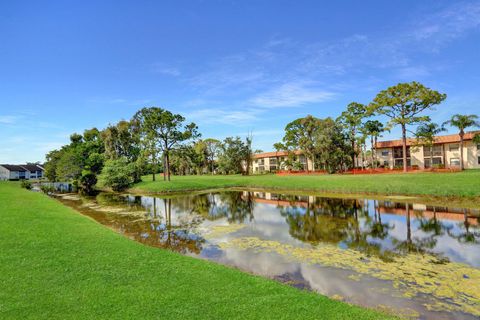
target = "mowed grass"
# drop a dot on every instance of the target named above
(455, 184)
(58, 264)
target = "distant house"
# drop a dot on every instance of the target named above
(21, 172)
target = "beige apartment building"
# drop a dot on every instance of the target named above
(274, 161)
(446, 151)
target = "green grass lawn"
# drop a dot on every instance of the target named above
(463, 184)
(58, 264)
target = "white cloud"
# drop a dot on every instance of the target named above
(224, 116)
(8, 119)
(162, 69)
(448, 24)
(412, 73)
(291, 95)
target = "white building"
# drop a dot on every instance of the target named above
(20, 172)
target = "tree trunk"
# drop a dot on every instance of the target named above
(353, 154)
(164, 168)
(373, 159)
(375, 151)
(167, 162)
(461, 150)
(404, 147)
(153, 167)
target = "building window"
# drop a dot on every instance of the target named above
(454, 161)
(478, 160)
(436, 161)
(478, 147)
(399, 162)
(398, 152)
(385, 153)
(454, 147)
(437, 151)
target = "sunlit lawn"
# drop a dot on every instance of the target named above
(465, 183)
(58, 264)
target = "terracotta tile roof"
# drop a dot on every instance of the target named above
(274, 154)
(451, 138)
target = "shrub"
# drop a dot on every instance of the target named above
(26, 185)
(118, 174)
(47, 188)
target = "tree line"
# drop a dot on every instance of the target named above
(339, 144)
(156, 140)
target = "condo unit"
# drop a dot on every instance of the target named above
(275, 161)
(444, 153)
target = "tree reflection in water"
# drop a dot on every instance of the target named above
(172, 222)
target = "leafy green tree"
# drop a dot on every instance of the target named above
(121, 140)
(186, 160)
(352, 119)
(212, 148)
(404, 105)
(426, 134)
(332, 146)
(300, 134)
(161, 131)
(232, 155)
(374, 129)
(462, 122)
(69, 165)
(118, 174)
(51, 165)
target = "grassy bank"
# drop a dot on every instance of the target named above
(58, 264)
(459, 184)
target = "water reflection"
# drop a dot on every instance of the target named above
(275, 234)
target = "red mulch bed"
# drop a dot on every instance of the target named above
(365, 171)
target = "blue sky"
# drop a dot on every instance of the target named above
(233, 67)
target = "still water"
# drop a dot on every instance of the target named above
(408, 258)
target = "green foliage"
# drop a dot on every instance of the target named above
(404, 105)
(79, 162)
(476, 138)
(462, 122)
(118, 174)
(47, 189)
(121, 140)
(26, 184)
(234, 155)
(427, 132)
(161, 131)
(321, 140)
(405, 102)
(300, 134)
(87, 182)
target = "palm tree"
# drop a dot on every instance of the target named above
(373, 128)
(426, 134)
(463, 122)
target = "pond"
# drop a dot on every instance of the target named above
(412, 259)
